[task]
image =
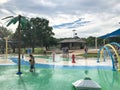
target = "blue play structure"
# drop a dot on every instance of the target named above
(110, 50)
(38, 65)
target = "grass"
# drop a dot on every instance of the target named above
(89, 55)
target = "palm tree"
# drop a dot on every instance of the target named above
(21, 24)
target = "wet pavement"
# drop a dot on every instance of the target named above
(57, 75)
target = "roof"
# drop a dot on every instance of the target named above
(72, 40)
(115, 33)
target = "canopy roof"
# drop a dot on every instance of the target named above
(72, 40)
(115, 33)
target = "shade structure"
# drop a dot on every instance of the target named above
(115, 33)
(86, 84)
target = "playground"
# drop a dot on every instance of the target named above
(60, 75)
(55, 45)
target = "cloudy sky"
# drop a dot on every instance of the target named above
(84, 17)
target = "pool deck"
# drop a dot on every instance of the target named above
(56, 76)
(4, 61)
(79, 61)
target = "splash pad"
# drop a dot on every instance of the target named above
(110, 50)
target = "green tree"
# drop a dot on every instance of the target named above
(21, 24)
(42, 31)
(38, 33)
(91, 41)
(4, 32)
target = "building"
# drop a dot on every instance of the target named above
(73, 43)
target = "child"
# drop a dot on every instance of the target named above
(32, 63)
(115, 61)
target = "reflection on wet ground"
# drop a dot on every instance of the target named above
(55, 76)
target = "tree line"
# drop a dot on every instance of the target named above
(38, 33)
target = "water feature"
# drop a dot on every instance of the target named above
(60, 77)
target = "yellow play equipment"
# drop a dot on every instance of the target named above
(101, 51)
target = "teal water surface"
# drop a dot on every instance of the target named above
(55, 78)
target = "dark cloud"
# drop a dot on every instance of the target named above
(67, 6)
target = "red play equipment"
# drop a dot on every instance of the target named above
(73, 58)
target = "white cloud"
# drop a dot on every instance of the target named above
(104, 15)
(3, 1)
(4, 11)
(46, 3)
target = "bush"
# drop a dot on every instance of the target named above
(38, 51)
(89, 55)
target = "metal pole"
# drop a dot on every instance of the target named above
(6, 48)
(19, 46)
(74, 33)
(103, 41)
(6, 43)
(95, 42)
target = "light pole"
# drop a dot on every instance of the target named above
(95, 42)
(6, 43)
(74, 33)
(104, 42)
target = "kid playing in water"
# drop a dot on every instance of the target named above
(115, 61)
(32, 63)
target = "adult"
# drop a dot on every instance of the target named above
(67, 51)
(86, 51)
(29, 51)
(63, 49)
(44, 51)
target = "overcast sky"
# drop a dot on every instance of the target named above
(86, 17)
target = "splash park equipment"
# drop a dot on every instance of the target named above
(73, 58)
(54, 79)
(87, 83)
(110, 50)
(47, 75)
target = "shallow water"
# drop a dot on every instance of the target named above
(55, 78)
